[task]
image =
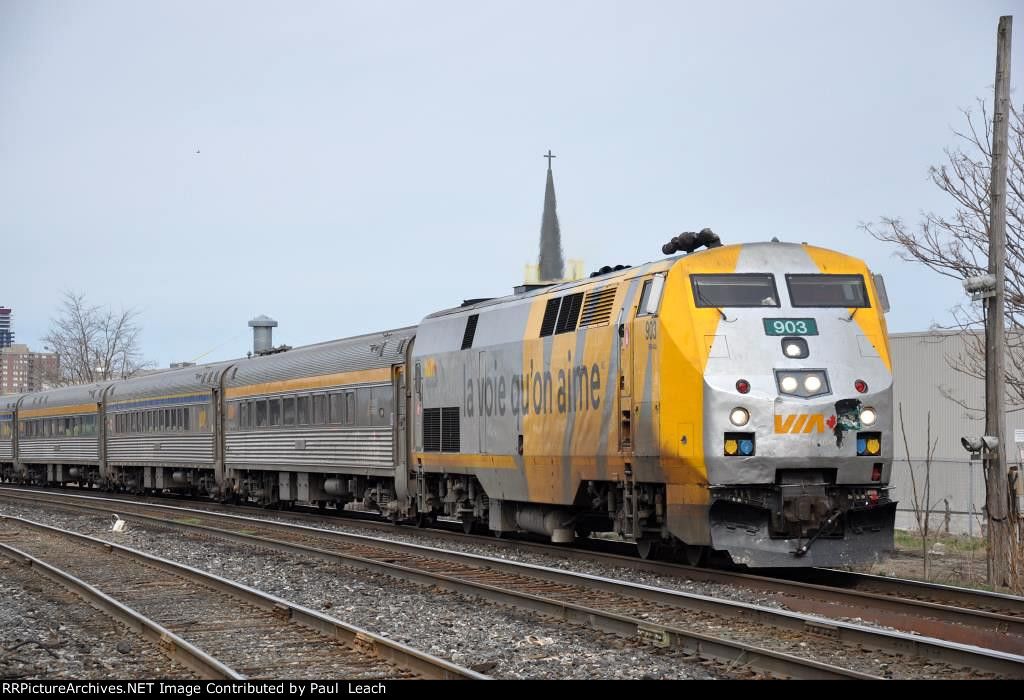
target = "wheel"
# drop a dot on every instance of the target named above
(693, 554)
(468, 524)
(647, 548)
(424, 520)
(583, 532)
(501, 534)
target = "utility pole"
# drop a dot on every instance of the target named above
(1001, 539)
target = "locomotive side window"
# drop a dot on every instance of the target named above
(650, 296)
(734, 290)
(845, 291)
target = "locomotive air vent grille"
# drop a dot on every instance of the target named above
(569, 313)
(450, 429)
(431, 429)
(467, 337)
(597, 308)
(547, 326)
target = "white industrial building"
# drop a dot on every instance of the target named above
(926, 384)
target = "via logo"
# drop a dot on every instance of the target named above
(803, 423)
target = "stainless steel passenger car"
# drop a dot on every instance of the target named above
(161, 430)
(319, 423)
(59, 435)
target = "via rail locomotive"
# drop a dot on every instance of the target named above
(736, 400)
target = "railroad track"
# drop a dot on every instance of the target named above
(62, 631)
(962, 615)
(776, 642)
(216, 627)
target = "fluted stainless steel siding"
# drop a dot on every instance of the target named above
(371, 351)
(336, 448)
(194, 449)
(6, 450)
(8, 402)
(66, 396)
(201, 378)
(45, 450)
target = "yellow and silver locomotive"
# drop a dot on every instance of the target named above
(734, 400)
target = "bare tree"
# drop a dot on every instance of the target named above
(956, 245)
(921, 494)
(94, 343)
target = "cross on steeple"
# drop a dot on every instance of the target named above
(550, 264)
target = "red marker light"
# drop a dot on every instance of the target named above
(861, 386)
(742, 386)
(876, 473)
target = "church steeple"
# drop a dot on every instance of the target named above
(551, 264)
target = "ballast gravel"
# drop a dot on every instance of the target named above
(492, 639)
(48, 633)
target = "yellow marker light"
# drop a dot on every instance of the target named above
(874, 445)
(731, 447)
(868, 416)
(739, 416)
(812, 383)
(789, 383)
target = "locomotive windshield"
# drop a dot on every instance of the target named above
(845, 291)
(716, 291)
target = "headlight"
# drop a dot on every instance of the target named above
(795, 348)
(812, 383)
(789, 384)
(868, 416)
(739, 416)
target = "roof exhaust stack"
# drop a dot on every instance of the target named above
(689, 241)
(262, 335)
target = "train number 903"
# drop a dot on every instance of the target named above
(790, 326)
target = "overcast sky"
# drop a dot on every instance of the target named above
(362, 164)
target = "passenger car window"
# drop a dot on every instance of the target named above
(337, 410)
(734, 290)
